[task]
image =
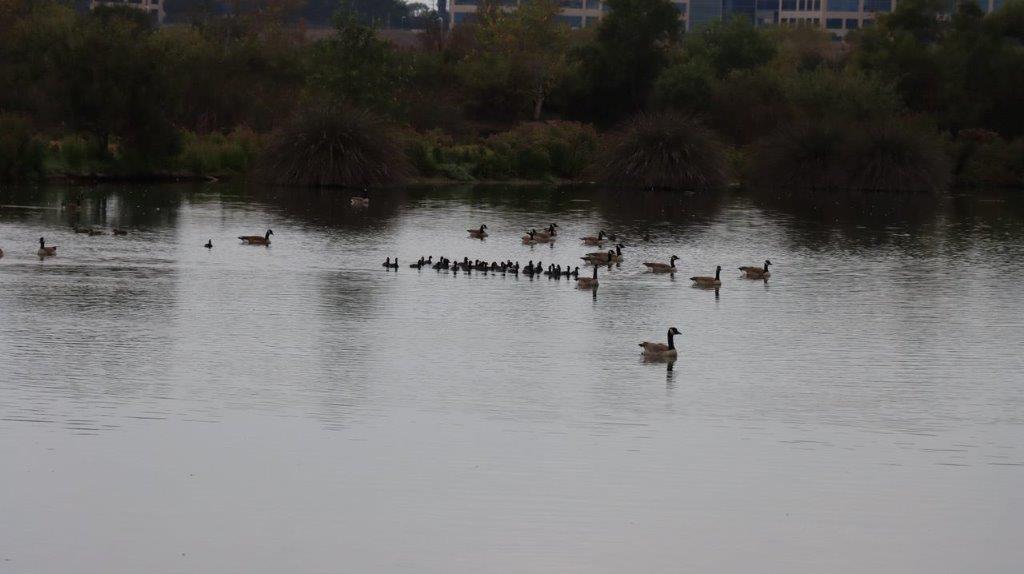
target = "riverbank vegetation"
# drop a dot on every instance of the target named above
(917, 101)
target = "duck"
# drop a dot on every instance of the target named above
(661, 349)
(715, 281)
(257, 239)
(591, 240)
(117, 231)
(669, 267)
(209, 244)
(587, 282)
(605, 257)
(361, 201)
(754, 272)
(45, 251)
(478, 233)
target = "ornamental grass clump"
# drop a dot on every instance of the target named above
(897, 156)
(663, 150)
(332, 146)
(809, 156)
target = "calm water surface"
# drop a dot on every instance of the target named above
(167, 408)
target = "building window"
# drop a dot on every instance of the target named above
(817, 6)
(867, 23)
(570, 3)
(834, 23)
(878, 5)
(680, 7)
(789, 4)
(851, 24)
(843, 5)
(571, 21)
(464, 17)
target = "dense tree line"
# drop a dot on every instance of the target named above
(114, 89)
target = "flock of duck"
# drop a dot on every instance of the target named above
(594, 259)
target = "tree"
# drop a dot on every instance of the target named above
(633, 45)
(522, 52)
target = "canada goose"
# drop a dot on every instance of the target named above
(82, 230)
(590, 240)
(45, 251)
(547, 235)
(1, 252)
(660, 349)
(361, 201)
(419, 264)
(94, 232)
(587, 282)
(117, 231)
(669, 267)
(209, 244)
(257, 239)
(757, 272)
(478, 233)
(529, 238)
(709, 281)
(388, 264)
(605, 256)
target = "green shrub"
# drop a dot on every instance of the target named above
(805, 156)
(455, 171)
(494, 165)
(663, 150)
(21, 154)
(897, 156)
(986, 160)
(553, 148)
(217, 153)
(334, 146)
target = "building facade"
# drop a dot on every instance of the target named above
(837, 17)
(154, 8)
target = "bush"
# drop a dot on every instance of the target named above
(805, 156)
(334, 146)
(897, 156)
(893, 155)
(663, 150)
(217, 153)
(21, 155)
(540, 149)
(986, 160)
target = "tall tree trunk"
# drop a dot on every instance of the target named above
(538, 101)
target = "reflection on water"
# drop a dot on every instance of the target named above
(168, 408)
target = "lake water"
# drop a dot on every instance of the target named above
(165, 408)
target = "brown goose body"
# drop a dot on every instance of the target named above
(257, 239)
(669, 267)
(661, 349)
(588, 282)
(117, 231)
(45, 251)
(478, 233)
(594, 240)
(703, 281)
(752, 272)
(605, 256)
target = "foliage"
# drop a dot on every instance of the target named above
(663, 150)
(728, 45)
(633, 45)
(326, 145)
(883, 155)
(355, 66)
(986, 160)
(516, 59)
(897, 156)
(21, 155)
(218, 154)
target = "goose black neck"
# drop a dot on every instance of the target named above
(595, 271)
(671, 340)
(766, 266)
(718, 272)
